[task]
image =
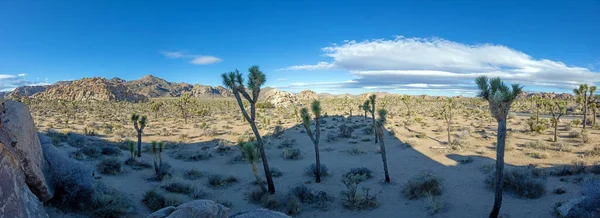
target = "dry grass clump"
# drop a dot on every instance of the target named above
(219, 181)
(520, 182)
(423, 185)
(111, 166)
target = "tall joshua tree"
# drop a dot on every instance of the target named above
(582, 99)
(372, 110)
(406, 100)
(139, 123)
(234, 81)
(157, 149)
(499, 97)
(447, 113)
(591, 102)
(155, 107)
(557, 109)
(379, 131)
(365, 107)
(316, 109)
(183, 103)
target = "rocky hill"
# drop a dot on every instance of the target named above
(92, 89)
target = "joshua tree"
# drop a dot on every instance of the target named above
(234, 81)
(379, 131)
(316, 109)
(538, 102)
(157, 149)
(582, 99)
(365, 107)
(406, 100)
(447, 113)
(591, 99)
(372, 110)
(139, 123)
(558, 109)
(132, 150)
(594, 107)
(155, 107)
(183, 103)
(499, 97)
(251, 154)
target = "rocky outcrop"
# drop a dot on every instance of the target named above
(260, 213)
(197, 208)
(548, 95)
(92, 89)
(18, 124)
(280, 98)
(16, 200)
(209, 91)
(307, 95)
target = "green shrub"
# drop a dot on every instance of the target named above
(423, 185)
(92, 151)
(154, 200)
(193, 174)
(312, 171)
(111, 151)
(292, 154)
(353, 200)
(520, 182)
(219, 181)
(111, 166)
(363, 172)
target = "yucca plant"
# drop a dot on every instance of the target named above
(132, 150)
(379, 131)
(365, 107)
(316, 109)
(157, 149)
(234, 81)
(499, 97)
(372, 110)
(250, 152)
(557, 109)
(447, 114)
(139, 123)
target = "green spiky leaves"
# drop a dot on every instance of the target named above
(250, 152)
(382, 117)
(135, 117)
(316, 108)
(305, 116)
(498, 94)
(256, 78)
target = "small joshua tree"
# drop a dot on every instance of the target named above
(157, 149)
(155, 107)
(379, 131)
(234, 81)
(316, 109)
(406, 100)
(183, 103)
(139, 123)
(499, 97)
(557, 109)
(250, 152)
(447, 113)
(132, 150)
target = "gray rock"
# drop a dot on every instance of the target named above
(162, 213)
(18, 124)
(16, 200)
(197, 208)
(260, 213)
(566, 207)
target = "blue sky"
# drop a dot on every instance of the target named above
(416, 47)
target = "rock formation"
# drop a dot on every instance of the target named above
(280, 98)
(197, 208)
(92, 89)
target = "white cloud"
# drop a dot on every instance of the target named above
(434, 63)
(9, 82)
(194, 59)
(22, 74)
(203, 60)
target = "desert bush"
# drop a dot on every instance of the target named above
(562, 146)
(520, 182)
(178, 187)
(193, 174)
(368, 130)
(434, 204)
(353, 200)
(423, 185)
(56, 137)
(585, 137)
(270, 202)
(219, 181)
(287, 143)
(576, 122)
(91, 151)
(594, 152)
(137, 164)
(154, 200)
(346, 131)
(458, 144)
(539, 155)
(356, 151)
(110, 166)
(360, 172)
(576, 167)
(294, 206)
(76, 140)
(574, 134)
(303, 193)
(412, 142)
(188, 155)
(76, 190)
(538, 144)
(111, 151)
(275, 172)
(331, 137)
(277, 131)
(292, 154)
(312, 170)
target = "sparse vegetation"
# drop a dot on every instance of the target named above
(423, 185)
(522, 183)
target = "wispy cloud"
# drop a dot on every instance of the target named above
(434, 63)
(194, 59)
(9, 82)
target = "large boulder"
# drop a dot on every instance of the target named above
(16, 200)
(18, 124)
(260, 213)
(197, 208)
(280, 98)
(566, 208)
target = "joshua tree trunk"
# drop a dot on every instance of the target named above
(499, 167)
(383, 155)
(585, 111)
(255, 172)
(316, 143)
(449, 134)
(139, 143)
(263, 155)
(555, 130)
(373, 118)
